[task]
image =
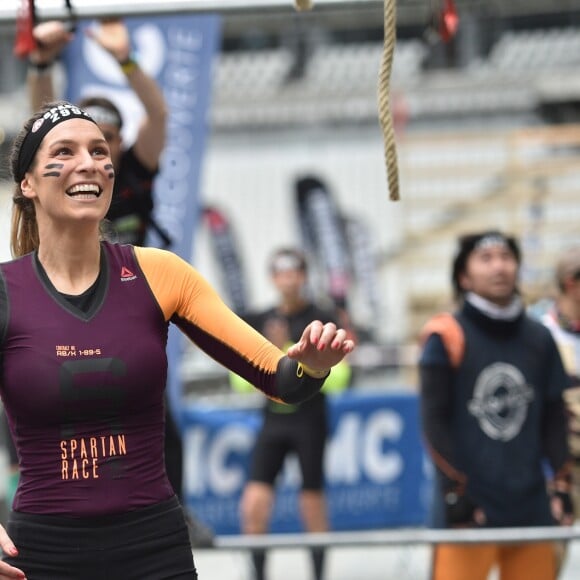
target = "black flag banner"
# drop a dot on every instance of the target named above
(227, 256)
(323, 235)
(364, 268)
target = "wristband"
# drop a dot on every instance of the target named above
(40, 67)
(128, 65)
(315, 374)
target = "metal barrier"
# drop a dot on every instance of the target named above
(399, 537)
(394, 553)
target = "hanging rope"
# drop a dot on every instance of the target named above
(385, 114)
(303, 4)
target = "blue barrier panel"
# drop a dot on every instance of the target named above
(377, 474)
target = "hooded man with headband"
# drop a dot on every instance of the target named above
(492, 415)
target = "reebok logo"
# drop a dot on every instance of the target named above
(127, 275)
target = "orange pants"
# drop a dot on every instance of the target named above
(529, 561)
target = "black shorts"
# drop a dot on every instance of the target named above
(301, 433)
(151, 543)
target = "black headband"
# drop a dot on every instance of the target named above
(40, 129)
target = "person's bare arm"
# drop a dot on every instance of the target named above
(151, 137)
(113, 36)
(51, 37)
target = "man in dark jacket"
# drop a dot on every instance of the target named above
(492, 414)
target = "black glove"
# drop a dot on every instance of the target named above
(566, 503)
(459, 509)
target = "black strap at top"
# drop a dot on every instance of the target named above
(72, 18)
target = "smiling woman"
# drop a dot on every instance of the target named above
(52, 159)
(85, 405)
(74, 160)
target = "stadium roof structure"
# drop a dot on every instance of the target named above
(255, 86)
(96, 8)
(408, 11)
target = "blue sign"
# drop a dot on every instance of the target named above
(377, 474)
(178, 52)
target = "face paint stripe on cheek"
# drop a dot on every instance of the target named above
(112, 174)
(53, 166)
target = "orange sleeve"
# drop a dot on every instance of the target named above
(188, 300)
